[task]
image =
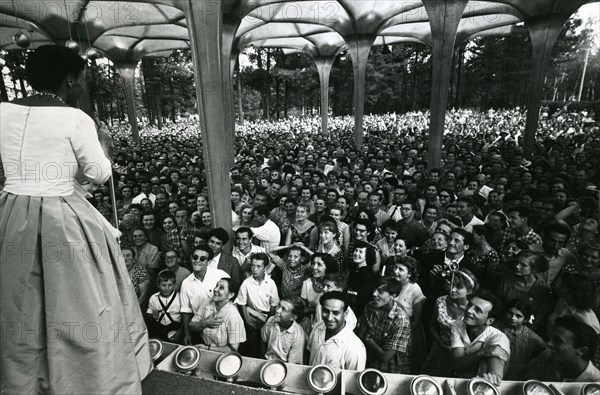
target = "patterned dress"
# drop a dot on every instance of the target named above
(439, 360)
(303, 237)
(525, 345)
(139, 275)
(485, 266)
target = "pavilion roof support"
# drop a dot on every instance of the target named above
(324, 64)
(126, 68)
(444, 17)
(205, 29)
(543, 33)
(359, 47)
(229, 57)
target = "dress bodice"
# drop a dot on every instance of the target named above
(43, 148)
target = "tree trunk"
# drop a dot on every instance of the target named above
(414, 80)
(277, 106)
(285, 114)
(452, 81)
(3, 91)
(268, 84)
(173, 101)
(240, 107)
(458, 98)
(158, 104)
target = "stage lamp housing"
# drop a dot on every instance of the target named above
(156, 348)
(479, 386)
(425, 385)
(187, 359)
(591, 389)
(229, 365)
(372, 382)
(536, 387)
(322, 379)
(273, 373)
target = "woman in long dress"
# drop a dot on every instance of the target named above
(70, 317)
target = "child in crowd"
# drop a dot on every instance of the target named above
(525, 344)
(162, 317)
(293, 271)
(283, 337)
(258, 298)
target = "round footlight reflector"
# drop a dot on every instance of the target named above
(591, 389)
(273, 373)
(229, 365)
(425, 385)
(187, 359)
(479, 386)
(156, 348)
(322, 379)
(372, 382)
(535, 387)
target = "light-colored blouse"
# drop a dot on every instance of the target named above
(33, 169)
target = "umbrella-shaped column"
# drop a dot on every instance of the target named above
(359, 47)
(126, 69)
(444, 17)
(205, 29)
(543, 32)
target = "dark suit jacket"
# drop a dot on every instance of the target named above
(230, 265)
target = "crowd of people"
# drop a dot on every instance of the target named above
(486, 266)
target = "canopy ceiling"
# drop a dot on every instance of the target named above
(129, 30)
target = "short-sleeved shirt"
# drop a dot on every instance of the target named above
(342, 351)
(172, 304)
(391, 331)
(268, 234)
(410, 295)
(241, 257)
(490, 336)
(287, 345)
(197, 294)
(231, 329)
(308, 292)
(259, 296)
(148, 256)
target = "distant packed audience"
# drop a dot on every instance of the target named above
(488, 265)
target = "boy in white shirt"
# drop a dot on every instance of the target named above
(163, 316)
(283, 337)
(257, 299)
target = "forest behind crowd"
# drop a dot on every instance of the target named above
(487, 72)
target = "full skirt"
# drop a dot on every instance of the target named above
(70, 319)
